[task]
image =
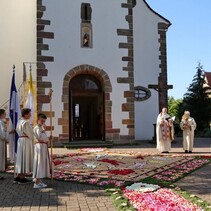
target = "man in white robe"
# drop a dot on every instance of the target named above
(164, 131)
(25, 152)
(41, 168)
(188, 126)
(3, 140)
(11, 146)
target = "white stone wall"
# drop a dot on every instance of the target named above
(146, 65)
(18, 45)
(107, 16)
(65, 18)
(17, 41)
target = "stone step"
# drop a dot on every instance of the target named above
(87, 143)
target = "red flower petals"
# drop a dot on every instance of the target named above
(140, 157)
(121, 172)
(113, 162)
(58, 162)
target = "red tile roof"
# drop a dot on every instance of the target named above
(208, 77)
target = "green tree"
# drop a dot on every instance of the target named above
(173, 110)
(173, 106)
(197, 101)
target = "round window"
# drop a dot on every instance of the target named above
(142, 93)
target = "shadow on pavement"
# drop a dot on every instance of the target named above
(60, 194)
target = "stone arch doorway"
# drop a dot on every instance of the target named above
(86, 108)
(101, 79)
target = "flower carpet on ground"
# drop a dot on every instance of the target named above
(180, 170)
(131, 173)
(100, 166)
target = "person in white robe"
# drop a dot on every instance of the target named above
(3, 141)
(188, 126)
(25, 150)
(164, 131)
(41, 168)
(11, 139)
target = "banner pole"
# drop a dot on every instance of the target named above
(51, 134)
(13, 134)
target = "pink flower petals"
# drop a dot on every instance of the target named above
(93, 149)
(86, 179)
(179, 170)
(161, 200)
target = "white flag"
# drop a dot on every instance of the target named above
(30, 99)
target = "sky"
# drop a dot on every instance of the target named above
(188, 40)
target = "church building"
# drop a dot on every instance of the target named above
(106, 62)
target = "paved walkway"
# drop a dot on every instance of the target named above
(62, 196)
(77, 197)
(198, 183)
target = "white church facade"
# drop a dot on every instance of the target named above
(106, 63)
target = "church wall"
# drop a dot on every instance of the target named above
(107, 16)
(18, 45)
(146, 67)
(17, 41)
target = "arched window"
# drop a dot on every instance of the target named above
(86, 13)
(86, 25)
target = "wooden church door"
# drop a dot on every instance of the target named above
(86, 108)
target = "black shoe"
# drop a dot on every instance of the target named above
(186, 151)
(1, 178)
(16, 180)
(190, 151)
(24, 181)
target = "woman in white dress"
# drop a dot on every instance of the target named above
(3, 140)
(164, 131)
(188, 126)
(41, 168)
(25, 152)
